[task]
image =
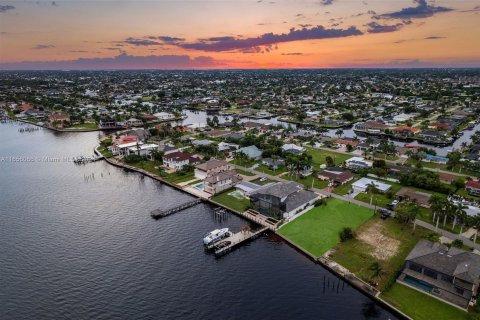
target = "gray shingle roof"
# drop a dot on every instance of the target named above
(454, 262)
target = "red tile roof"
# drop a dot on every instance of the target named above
(473, 184)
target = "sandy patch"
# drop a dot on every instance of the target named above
(385, 247)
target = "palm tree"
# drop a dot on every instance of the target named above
(339, 132)
(458, 210)
(373, 190)
(377, 269)
(437, 204)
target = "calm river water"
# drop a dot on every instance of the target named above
(73, 247)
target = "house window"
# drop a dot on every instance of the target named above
(415, 267)
(430, 273)
(459, 290)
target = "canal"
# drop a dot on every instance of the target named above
(78, 242)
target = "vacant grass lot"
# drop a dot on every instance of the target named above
(307, 181)
(419, 306)
(319, 156)
(356, 255)
(231, 202)
(265, 169)
(318, 229)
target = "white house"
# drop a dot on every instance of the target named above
(356, 163)
(290, 147)
(164, 116)
(132, 122)
(362, 184)
(177, 160)
(143, 149)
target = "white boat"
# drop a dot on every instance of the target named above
(215, 235)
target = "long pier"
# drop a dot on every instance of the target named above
(228, 244)
(159, 213)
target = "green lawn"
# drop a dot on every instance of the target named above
(231, 202)
(318, 230)
(247, 163)
(245, 173)
(262, 183)
(420, 306)
(319, 155)
(265, 169)
(307, 181)
(84, 126)
(356, 255)
(343, 190)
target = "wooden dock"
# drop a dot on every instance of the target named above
(83, 160)
(228, 244)
(160, 213)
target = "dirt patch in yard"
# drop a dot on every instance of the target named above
(385, 247)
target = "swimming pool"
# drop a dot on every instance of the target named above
(237, 194)
(418, 284)
(199, 186)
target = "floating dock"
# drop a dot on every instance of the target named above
(226, 245)
(159, 213)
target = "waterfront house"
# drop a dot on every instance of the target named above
(59, 119)
(132, 122)
(405, 131)
(473, 187)
(336, 176)
(217, 182)
(373, 127)
(247, 188)
(204, 169)
(143, 149)
(448, 274)
(357, 163)
(433, 136)
(177, 160)
(282, 199)
(164, 116)
(369, 144)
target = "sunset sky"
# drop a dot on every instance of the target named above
(199, 34)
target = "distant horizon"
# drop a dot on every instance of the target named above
(201, 35)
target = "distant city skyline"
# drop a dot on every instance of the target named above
(217, 34)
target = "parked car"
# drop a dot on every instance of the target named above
(392, 205)
(384, 213)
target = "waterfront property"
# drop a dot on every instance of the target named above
(177, 160)
(318, 230)
(204, 169)
(282, 199)
(449, 274)
(217, 182)
(420, 306)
